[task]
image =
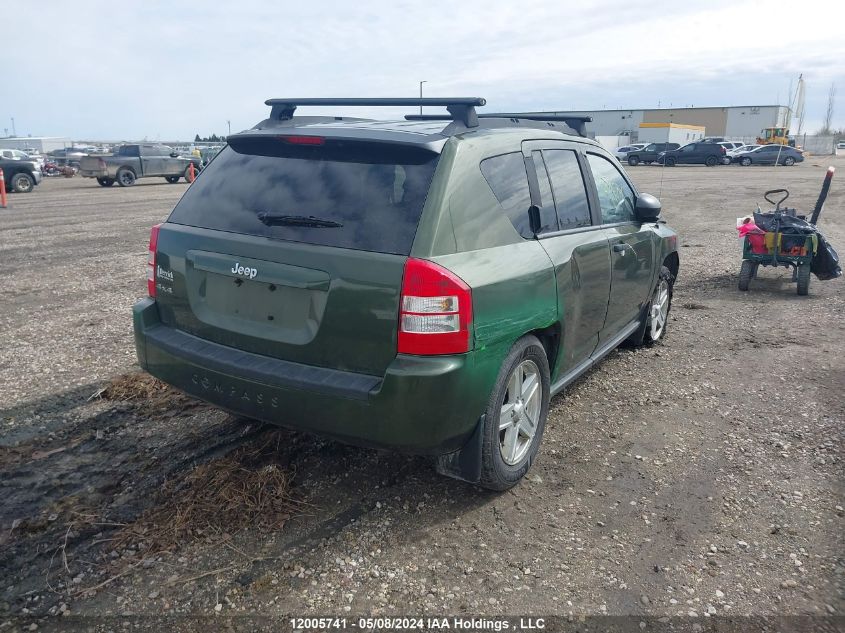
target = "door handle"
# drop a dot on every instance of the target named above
(621, 248)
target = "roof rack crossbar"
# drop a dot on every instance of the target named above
(460, 108)
(575, 121)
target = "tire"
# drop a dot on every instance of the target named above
(789, 161)
(711, 161)
(172, 179)
(105, 182)
(125, 177)
(670, 162)
(746, 274)
(22, 183)
(512, 431)
(804, 280)
(633, 161)
(745, 161)
(187, 174)
(659, 305)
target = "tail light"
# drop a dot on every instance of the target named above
(303, 140)
(101, 163)
(151, 261)
(435, 311)
(724, 151)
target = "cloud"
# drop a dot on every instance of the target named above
(163, 70)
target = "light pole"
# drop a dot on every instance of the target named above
(229, 123)
(421, 83)
(15, 132)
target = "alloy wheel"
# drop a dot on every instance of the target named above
(520, 412)
(659, 310)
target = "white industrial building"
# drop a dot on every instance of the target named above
(43, 144)
(733, 122)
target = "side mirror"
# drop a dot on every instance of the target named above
(534, 219)
(648, 207)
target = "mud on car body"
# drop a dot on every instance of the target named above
(424, 285)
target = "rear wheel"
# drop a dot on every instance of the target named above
(633, 161)
(745, 162)
(172, 179)
(125, 177)
(746, 274)
(105, 182)
(516, 415)
(711, 161)
(22, 183)
(804, 279)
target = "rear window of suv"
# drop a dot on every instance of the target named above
(365, 196)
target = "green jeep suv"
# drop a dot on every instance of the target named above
(425, 285)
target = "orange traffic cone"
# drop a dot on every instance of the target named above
(2, 190)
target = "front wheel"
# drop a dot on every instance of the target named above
(661, 303)
(746, 273)
(670, 162)
(789, 161)
(22, 183)
(516, 415)
(804, 279)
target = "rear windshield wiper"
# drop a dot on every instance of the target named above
(274, 219)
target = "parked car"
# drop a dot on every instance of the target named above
(16, 154)
(769, 155)
(131, 162)
(840, 145)
(622, 152)
(405, 284)
(698, 153)
(649, 153)
(742, 148)
(21, 176)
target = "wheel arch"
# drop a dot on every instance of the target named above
(550, 338)
(673, 263)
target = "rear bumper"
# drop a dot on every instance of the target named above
(424, 405)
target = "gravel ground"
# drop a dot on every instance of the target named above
(701, 477)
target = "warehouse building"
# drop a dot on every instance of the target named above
(43, 144)
(734, 122)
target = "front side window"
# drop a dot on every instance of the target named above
(508, 180)
(616, 197)
(573, 210)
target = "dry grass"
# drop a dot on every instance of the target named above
(146, 393)
(248, 488)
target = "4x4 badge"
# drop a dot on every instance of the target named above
(246, 271)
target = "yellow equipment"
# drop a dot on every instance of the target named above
(774, 136)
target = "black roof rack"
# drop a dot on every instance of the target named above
(460, 108)
(577, 122)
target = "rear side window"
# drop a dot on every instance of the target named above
(507, 178)
(573, 210)
(127, 150)
(348, 194)
(548, 218)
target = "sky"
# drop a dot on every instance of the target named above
(169, 70)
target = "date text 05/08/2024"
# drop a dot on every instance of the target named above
(467, 625)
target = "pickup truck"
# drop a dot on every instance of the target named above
(21, 176)
(131, 162)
